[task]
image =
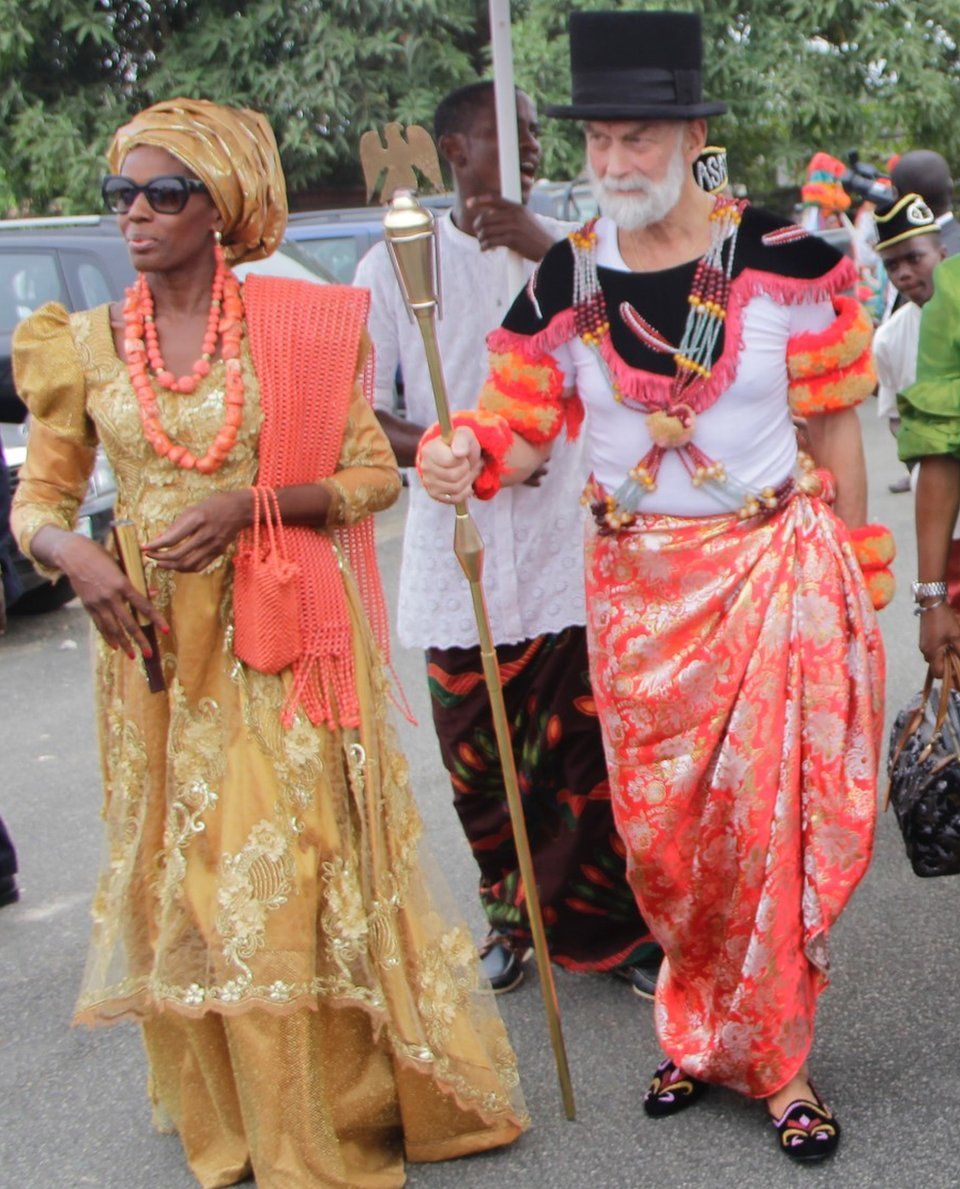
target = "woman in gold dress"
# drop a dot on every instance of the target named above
(308, 1010)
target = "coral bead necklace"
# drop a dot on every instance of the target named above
(142, 349)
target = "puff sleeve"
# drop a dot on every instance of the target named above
(531, 382)
(61, 448)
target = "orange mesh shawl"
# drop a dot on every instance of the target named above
(305, 340)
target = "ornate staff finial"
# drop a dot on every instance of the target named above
(401, 153)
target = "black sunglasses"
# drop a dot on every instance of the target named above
(167, 195)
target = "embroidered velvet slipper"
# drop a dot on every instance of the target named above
(807, 1130)
(671, 1091)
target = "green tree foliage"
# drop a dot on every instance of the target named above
(322, 70)
(799, 75)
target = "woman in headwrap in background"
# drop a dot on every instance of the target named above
(262, 911)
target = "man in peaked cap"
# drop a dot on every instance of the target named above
(910, 246)
(726, 607)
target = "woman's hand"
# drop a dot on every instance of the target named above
(448, 472)
(107, 594)
(939, 628)
(202, 534)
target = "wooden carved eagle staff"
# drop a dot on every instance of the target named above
(412, 245)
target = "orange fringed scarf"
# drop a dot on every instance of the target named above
(305, 341)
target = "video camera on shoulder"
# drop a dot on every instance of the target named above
(864, 181)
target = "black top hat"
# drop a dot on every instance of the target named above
(636, 66)
(903, 219)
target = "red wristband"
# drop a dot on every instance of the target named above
(495, 437)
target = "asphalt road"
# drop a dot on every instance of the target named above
(73, 1110)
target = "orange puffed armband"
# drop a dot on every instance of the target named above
(495, 437)
(874, 548)
(832, 369)
(528, 394)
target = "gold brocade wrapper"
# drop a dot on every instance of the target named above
(234, 153)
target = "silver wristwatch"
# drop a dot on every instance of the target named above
(928, 590)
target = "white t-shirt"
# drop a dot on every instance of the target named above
(895, 345)
(748, 429)
(533, 571)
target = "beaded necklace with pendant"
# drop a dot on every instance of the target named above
(671, 419)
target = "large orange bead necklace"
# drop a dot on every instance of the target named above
(142, 349)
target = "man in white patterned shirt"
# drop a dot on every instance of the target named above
(533, 577)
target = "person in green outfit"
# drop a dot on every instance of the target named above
(930, 435)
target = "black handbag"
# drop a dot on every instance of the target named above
(924, 771)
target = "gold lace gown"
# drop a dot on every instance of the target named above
(307, 1005)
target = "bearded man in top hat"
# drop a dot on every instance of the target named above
(533, 560)
(735, 656)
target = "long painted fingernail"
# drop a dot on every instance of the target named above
(164, 629)
(148, 654)
(132, 655)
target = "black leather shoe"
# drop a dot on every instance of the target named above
(807, 1131)
(9, 892)
(501, 964)
(642, 977)
(671, 1091)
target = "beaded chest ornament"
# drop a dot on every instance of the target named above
(670, 420)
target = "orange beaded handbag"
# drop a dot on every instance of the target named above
(266, 597)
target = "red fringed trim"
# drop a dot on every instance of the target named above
(791, 291)
(560, 329)
(875, 549)
(653, 389)
(495, 438)
(845, 340)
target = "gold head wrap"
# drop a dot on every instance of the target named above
(233, 151)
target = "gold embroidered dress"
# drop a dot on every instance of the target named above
(252, 872)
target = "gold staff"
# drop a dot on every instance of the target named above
(411, 242)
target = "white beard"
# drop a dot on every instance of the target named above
(635, 202)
